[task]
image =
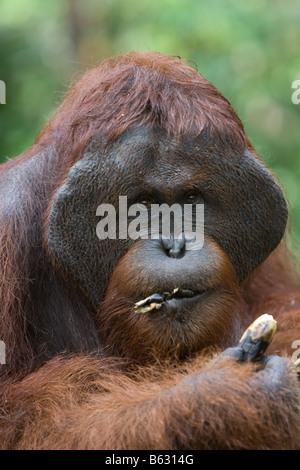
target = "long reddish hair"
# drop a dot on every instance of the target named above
(153, 88)
(148, 87)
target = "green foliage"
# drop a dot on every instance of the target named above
(249, 50)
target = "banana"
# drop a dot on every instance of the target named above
(257, 337)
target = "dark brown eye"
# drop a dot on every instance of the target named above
(146, 201)
(193, 197)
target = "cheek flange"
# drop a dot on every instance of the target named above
(252, 216)
(71, 233)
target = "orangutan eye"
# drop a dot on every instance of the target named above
(146, 201)
(193, 197)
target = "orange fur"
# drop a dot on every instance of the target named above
(115, 389)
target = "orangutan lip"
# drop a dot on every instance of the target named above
(156, 301)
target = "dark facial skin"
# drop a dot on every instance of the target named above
(239, 195)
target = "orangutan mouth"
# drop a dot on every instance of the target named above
(156, 301)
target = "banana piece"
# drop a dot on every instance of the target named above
(257, 337)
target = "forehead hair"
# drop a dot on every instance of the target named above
(152, 88)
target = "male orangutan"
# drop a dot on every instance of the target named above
(122, 343)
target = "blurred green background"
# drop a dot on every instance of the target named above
(249, 49)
